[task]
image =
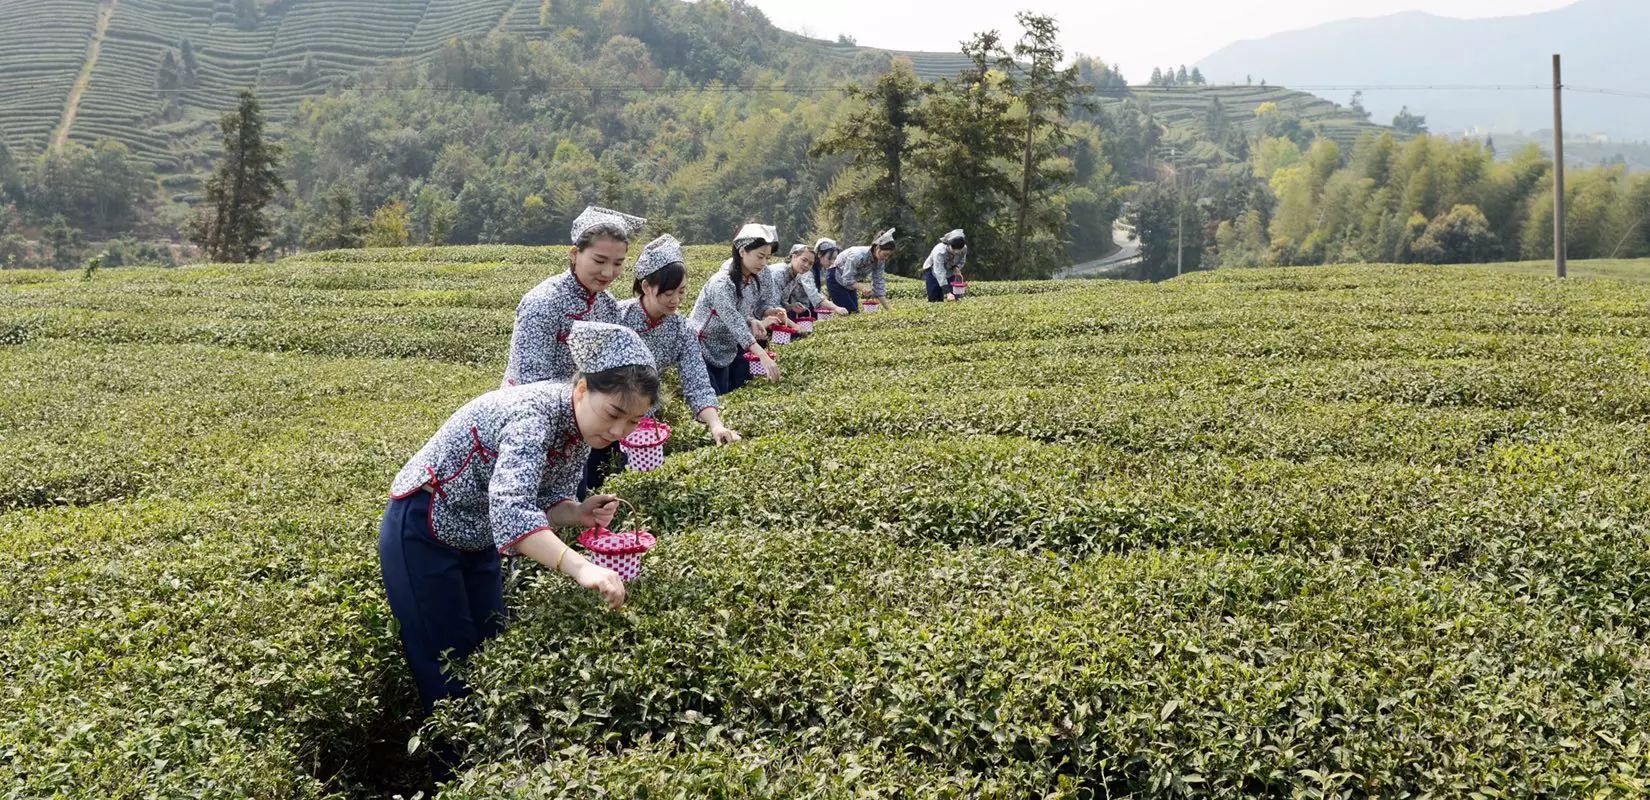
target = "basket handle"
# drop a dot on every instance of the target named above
(633, 512)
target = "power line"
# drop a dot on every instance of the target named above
(1608, 92)
(1112, 91)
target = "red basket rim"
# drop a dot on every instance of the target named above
(959, 283)
(751, 357)
(649, 433)
(873, 302)
(783, 329)
(605, 542)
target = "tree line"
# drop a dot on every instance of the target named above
(1300, 198)
(705, 116)
(486, 145)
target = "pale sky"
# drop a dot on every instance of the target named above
(1138, 35)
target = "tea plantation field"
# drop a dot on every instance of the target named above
(1327, 532)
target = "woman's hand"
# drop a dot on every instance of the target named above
(597, 510)
(722, 434)
(769, 365)
(602, 580)
(864, 289)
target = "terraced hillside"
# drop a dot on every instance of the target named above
(298, 48)
(1186, 107)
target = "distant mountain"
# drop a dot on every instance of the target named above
(1603, 43)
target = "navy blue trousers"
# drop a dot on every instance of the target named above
(726, 379)
(447, 601)
(936, 292)
(842, 296)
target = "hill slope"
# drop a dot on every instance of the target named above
(295, 49)
(1601, 40)
(1186, 107)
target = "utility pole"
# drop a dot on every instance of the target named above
(1558, 169)
(1180, 212)
(1179, 225)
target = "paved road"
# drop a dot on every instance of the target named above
(1116, 265)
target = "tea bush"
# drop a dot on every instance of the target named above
(1330, 532)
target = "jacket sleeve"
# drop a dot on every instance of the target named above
(727, 311)
(695, 378)
(513, 503)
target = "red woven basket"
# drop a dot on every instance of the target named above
(644, 448)
(782, 334)
(756, 364)
(620, 551)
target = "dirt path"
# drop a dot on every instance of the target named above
(71, 107)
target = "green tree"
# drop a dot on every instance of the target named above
(1159, 217)
(66, 241)
(1047, 94)
(168, 78)
(390, 226)
(232, 227)
(1242, 242)
(1215, 124)
(876, 134)
(1409, 123)
(339, 225)
(969, 139)
(1462, 236)
(1272, 155)
(100, 187)
(11, 175)
(433, 215)
(191, 67)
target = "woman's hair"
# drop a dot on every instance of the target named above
(602, 230)
(667, 279)
(634, 379)
(598, 232)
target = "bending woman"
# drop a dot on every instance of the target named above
(790, 286)
(944, 265)
(661, 283)
(825, 252)
(729, 315)
(538, 345)
(497, 480)
(846, 279)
